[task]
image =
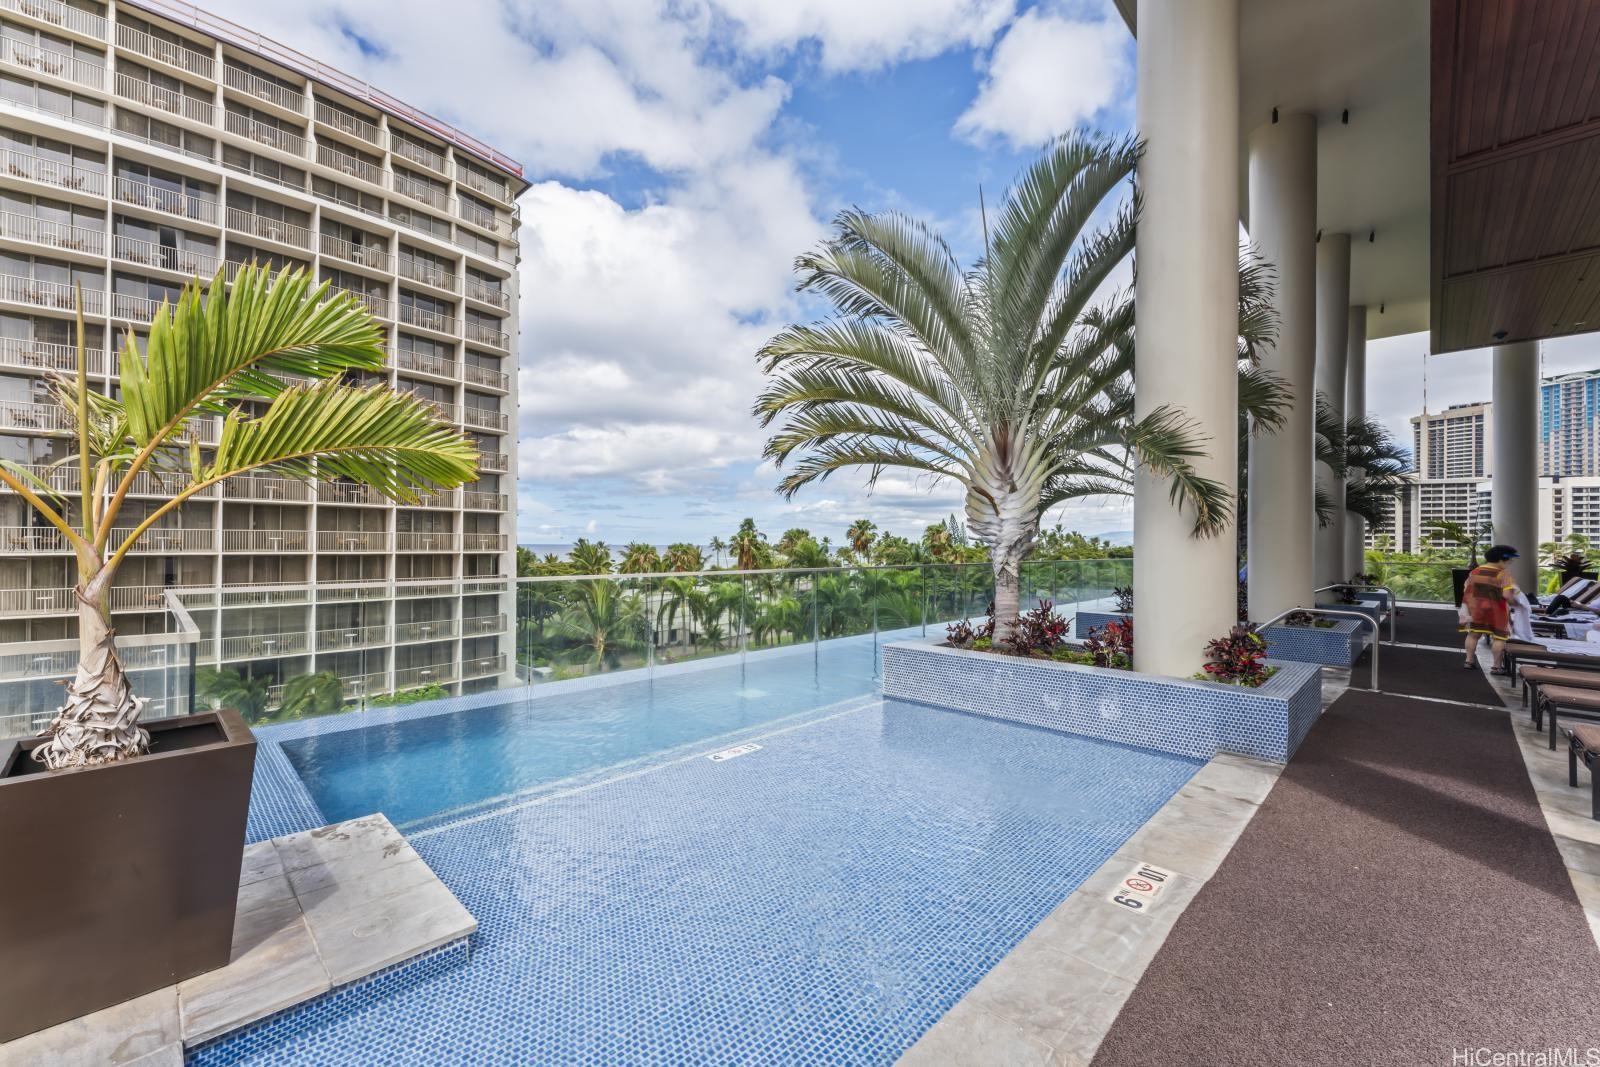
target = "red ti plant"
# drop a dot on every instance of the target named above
(1111, 645)
(1239, 658)
(1038, 632)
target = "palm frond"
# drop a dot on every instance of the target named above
(1165, 443)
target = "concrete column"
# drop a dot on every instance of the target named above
(1186, 294)
(1355, 403)
(1515, 507)
(1283, 229)
(1333, 320)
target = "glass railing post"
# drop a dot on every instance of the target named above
(922, 581)
(744, 593)
(816, 632)
(649, 636)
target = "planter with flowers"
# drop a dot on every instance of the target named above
(1306, 638)
(1247, 705)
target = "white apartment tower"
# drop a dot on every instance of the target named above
(146, 143)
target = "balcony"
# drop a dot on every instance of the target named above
(35, 230)
(482, 666)
(373, 302)
(481, 375)
(37, 601)
(167, 201)
(439, 498)
(421, 191)
(348, 493)
(412, 315)
(20, 415)
(257, 646)
(193, 108)
(484, 542)
(478, 625)
(345, 163)
(493, 295)
(166, 257)
(413, 541)
(29, 57)
(359, 128)
(419, 271)
(489, 220)
(134, 308)
(433, 674)
(151, 483)
(375, 589)
(475, 500)
(417, 153)
(352, 541)
(265, 540)
(497, 462)
(83, 23)
(142, 597)
(485, 334)
(484, 418)
(57, 295)
(202, 539)
(32, 539)
(270, 229)
(255, 594)
(173, 55)
(495, 190)
(349, 637)
(374, 256)
(53, 172)
(45, 355)
(271, 136)
(434, 630)
(262, 89)
(264, 487)
(426, 587)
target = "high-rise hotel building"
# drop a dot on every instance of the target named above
(146, 143)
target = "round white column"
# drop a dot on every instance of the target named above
(1515, 505)
(1355, 403)
(1283, 229)
(1333, 320)
(1187, 316)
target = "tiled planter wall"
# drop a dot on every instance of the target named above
(1094, 620)
(1188, 718)
(1338, 645)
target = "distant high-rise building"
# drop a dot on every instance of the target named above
(1569, 425)
(1454, 443)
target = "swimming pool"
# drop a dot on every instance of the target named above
(823, 898)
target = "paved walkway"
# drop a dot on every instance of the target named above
(1397, 896)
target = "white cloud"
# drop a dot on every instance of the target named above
(855, 35)
(1050, 72)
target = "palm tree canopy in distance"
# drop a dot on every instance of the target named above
(209, 353)
(1002, 377)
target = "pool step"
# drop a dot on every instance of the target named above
(348, 909)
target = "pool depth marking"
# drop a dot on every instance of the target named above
(733, 753)
(1141, 888)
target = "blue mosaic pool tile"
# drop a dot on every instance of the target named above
(1338, 645)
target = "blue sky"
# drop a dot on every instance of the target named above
(682, 154)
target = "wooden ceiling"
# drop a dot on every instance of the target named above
(1515, 170)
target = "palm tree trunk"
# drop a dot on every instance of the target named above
(1007, 591)
(99, 721)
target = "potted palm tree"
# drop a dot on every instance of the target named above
(132, 833)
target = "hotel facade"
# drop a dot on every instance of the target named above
(146, 144)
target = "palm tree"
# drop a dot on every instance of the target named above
(310, 695)
(591, 557)
(605, 620)
(212, 353)
(1376, 466)
(860, 536)
(1462, 535)
(677, 598)
(225, 688)
(748, 546)
(1001, 379)
(639, 558)
(718, 546)
(686, 557)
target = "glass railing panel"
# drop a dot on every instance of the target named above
(1428, 583)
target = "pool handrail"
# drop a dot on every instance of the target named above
(1394, 605)
(1359, 616)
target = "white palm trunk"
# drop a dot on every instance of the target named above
(98, 723)
(1003, 509)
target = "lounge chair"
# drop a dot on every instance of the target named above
(1574, 703)
(1519, 652)
(1583, 743)
(1535, 678)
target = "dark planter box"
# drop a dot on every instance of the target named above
(123, 878)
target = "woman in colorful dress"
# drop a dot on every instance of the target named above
(1486, 604)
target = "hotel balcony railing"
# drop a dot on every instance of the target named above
(488, 335)
(153, 483)
(439, 498)
(420, 271)
(412, 315)
(376, 589)
(272, 136)
(373, 256)
(34, 230)
(136, 308)
(481, 666)
(417, 153)
(265, 540)
(255, 646)
(193, 108)
(174, 55)
(252, 594)
(475, 625)
(480, 184)
(298, 184)
(194, 264)
(421, 191)
(347, 493)
(203, 429)
(497, 462)
(481, 375)
(477, 216)
(484, 418)
(20, 415)
(45, 355)
(192, 539)
(262, 89)
(432, 630)
(32, 539)
(478, 584)
(488, 294)
(484, 542)
(140, 597)
(54, 172)
(354, 126)
(264, 487)
(432, 674)
(36, 601)
(45, 294)
(280, 230)
(169, 201)
(425, 363)
(83, 72)
(475, 500)
(426, 587)
(373, 302)
(56, 13)
(352, 541)
(423, 541)
(348, 637)
(348, 164)
(61, 479)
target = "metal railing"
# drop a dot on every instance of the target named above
(488, 294)
(257, 646)
(264, 487)
(478, 183)
(271, 229)
(427, 541)
(374, 256)
(262, 89)
(174, 55)
(46, 61)
(348, 164)
(497, 462)
(425, 363)
(348, 637)
(428, 630)
(352, 541)
(489, 335)
(45, 539)
(373, 302)
(1359, 616)
(421, 191)
(169, 201)
(20, 415)
(1390, 608)
(420, 271)
(485, 418)
(60, 235)
(474, 500)
(45, 355)
(417, 153)
(165, 539)
(166, 257)
(272, 136)
(56, 13)
(481, 375)
(355, 126)
(348, 493)
(53, 172)
(194, 108)
(431, 674)
(265, 540)
(412, 315)
(45, 294)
